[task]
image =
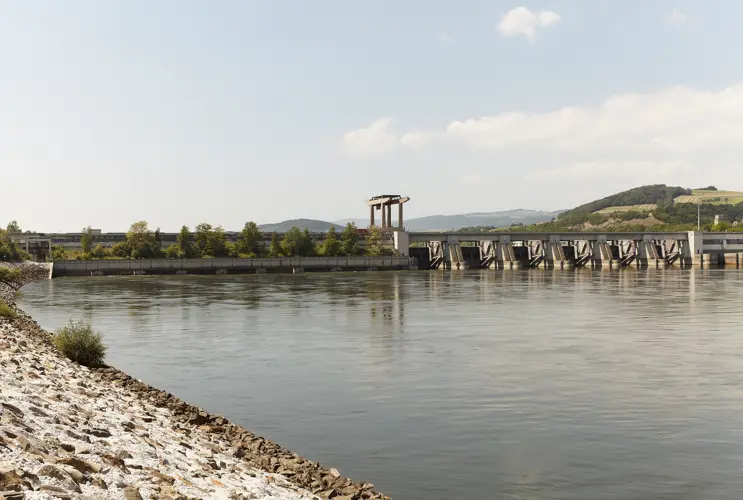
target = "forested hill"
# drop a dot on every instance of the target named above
(656, 208)
(656, 194)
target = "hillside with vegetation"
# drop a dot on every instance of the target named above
(644, 196)
(652, 208)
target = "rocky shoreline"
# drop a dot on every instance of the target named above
(67, 431)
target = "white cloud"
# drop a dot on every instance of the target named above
(372, 140)
(418, 140)
(677, 17)
(523, 22)
(676, 120)
(679, 135)
(649, 171)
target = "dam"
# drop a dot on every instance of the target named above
(510, 250)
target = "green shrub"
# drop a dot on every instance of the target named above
(173, 251)
(121, 249)
(80, 343)
(6, 311)
(101, 252)
(58, 253)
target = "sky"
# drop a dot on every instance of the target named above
(180, 112)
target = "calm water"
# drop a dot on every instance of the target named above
(483, 385)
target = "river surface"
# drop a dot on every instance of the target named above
(439, 386)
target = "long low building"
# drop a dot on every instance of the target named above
(72, 241)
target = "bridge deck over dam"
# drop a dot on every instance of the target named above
(500, 249)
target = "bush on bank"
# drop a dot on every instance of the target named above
(79, 342)
(6, 311)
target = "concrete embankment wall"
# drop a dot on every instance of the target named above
(228, 266)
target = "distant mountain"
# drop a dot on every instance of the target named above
(359, 222)
(454, 222)
(495, 219)
(312, 225)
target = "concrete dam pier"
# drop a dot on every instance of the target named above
(511, 250)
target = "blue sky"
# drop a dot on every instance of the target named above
(179, 112)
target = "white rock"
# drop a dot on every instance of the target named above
(80, 401)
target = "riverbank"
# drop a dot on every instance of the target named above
(67, 431)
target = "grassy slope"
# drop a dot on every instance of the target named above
(697, 196)
(638, 208)
(705, 196)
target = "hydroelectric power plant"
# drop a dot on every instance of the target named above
(443, 250)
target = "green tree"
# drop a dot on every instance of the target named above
(350, 240)
(274, 250)
(374, 242)
(210, 241)
(218, 242)
(185, 244)
(331, 246)
(9, 251)
(13, 227)
(308, 246)
(139, 239)
(86, 240)
(201, 237)
(156, 245)
(293, 243)
(250, 241)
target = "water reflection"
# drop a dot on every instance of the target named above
(552, 384)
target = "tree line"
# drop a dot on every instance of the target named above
(207, 241)
(9, 251)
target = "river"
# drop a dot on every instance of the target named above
(439, 386)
